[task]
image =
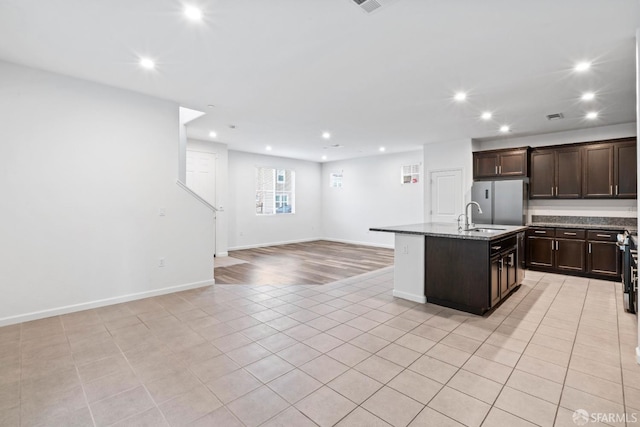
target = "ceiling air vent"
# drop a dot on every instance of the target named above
(368, 5)
(555, 116)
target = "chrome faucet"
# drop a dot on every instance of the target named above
(468, 222)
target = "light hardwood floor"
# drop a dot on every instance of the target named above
(316, 262)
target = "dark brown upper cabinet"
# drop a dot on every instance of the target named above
(597, 178)
(610, 169)
(543, 166)
(602, 170)
(555, 173)
(625, 171)
(507, 163)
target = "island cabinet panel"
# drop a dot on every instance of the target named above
(495, 281)
(597, 180)
(626, 170)
(468, 274)
(457, 273)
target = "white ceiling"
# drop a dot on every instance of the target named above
(283, 71)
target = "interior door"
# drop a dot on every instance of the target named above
(446, 195)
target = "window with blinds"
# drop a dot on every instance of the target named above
(275, 191)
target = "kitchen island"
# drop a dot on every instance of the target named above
(472, 270)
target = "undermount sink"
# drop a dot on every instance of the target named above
(487, 230)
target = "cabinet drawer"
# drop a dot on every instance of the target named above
(603, 236)
(570, 233)
(502, 245)
(541, 232)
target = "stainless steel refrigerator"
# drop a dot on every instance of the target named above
(502, 202)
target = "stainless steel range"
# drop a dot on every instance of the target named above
(627, 244)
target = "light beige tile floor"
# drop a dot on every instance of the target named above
(346, 354)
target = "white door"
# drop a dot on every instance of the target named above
(446, 195)
(201, 174)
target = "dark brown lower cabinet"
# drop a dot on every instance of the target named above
(569, 255)
(540, 251)
(603, 255)
(591, 253)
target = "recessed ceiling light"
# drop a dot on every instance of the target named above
(592, 115)
(212, 134)
(486, 115)
(211, 106)
(588, 96)
(504, 128)
(326, 135)
(324, 157)
(460, 96)
(193, 13)
(582, 66)
(147, 63)
(268, 148)
(382, 149)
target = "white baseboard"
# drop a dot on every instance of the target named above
(411, 297)
(355, 242)
(638, 354)
(221, 254)
(264, 245)
(100, 303)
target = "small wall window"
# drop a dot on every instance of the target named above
(275, 191)
(410, 174)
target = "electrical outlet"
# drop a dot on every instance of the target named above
(405, 249)
(161, 212)
(161, 262)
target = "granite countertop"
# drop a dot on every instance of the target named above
(437, 229)
(630, 229)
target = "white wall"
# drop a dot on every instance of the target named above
(372, 196)
(613, 208)
(589, 134)
(222, 189)
(246, 229)
(85, 169)
(445, 156)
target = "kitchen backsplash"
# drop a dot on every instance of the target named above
(587, 220)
